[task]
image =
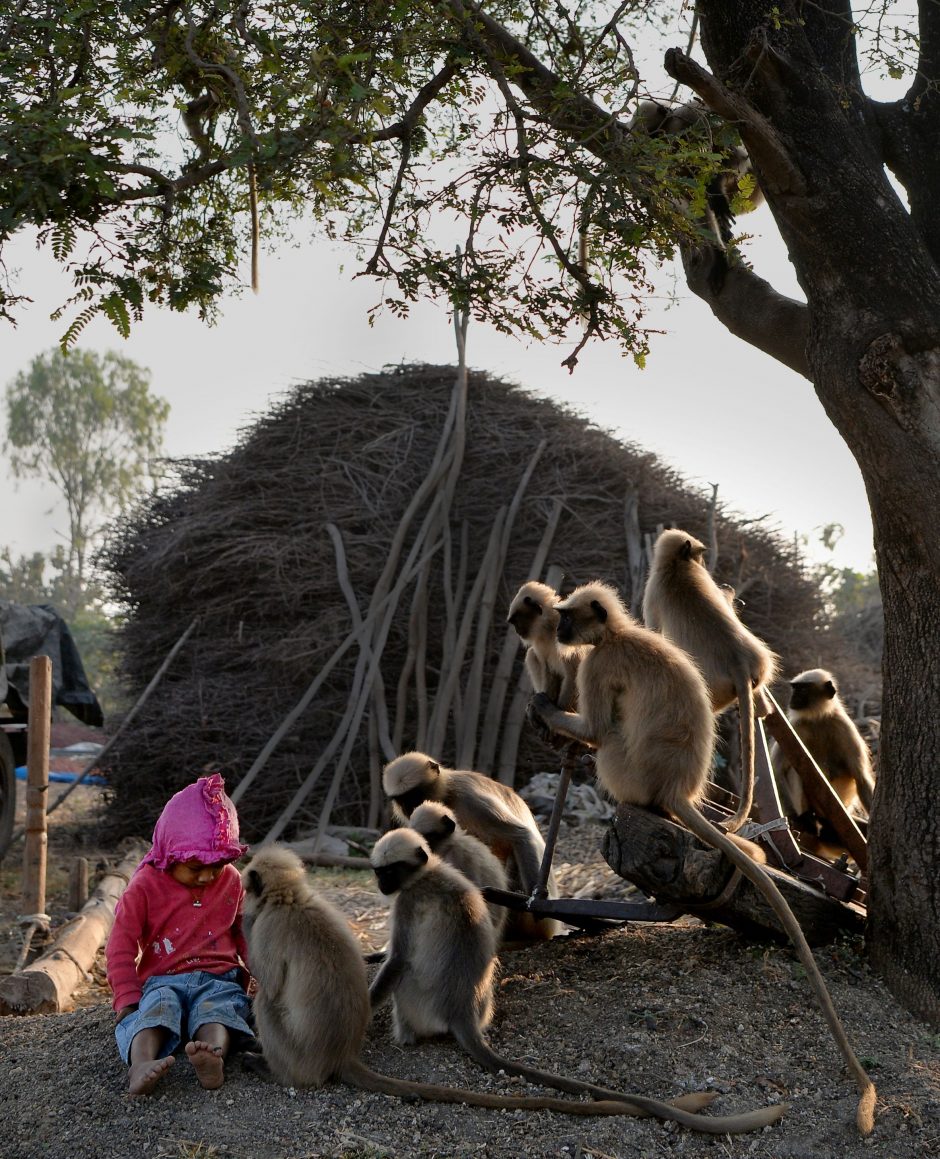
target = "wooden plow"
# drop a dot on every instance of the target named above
(681, 875)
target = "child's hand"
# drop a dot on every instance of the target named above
(125, 1010)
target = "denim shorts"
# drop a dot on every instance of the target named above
(178, 1002)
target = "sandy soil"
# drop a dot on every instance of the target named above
(655, 1009)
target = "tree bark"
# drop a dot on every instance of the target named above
(872, 287)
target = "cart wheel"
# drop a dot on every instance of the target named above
(7, 793)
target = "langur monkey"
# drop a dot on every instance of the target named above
(733, 189)
(476, 861)
(484, 808)
(441, 969)
(646, 708)
(820, 721)
(552, 668)
(682, 601)
(312, 1005)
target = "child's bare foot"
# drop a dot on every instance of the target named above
(208, 1063)
(144, 1076)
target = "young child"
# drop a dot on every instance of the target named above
(176, 954)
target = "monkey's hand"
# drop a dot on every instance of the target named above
(539, 712)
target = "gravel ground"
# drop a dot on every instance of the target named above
(654, 1009)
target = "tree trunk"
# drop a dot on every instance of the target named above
(873, 354)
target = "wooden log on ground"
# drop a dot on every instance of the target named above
(670, 863)
(46, 985)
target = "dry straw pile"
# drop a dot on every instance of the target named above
(351, 562)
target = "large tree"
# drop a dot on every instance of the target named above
(154, 130)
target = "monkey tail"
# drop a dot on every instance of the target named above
(357, 1074)
(693, 819)
(680, 1110)
(746, 719)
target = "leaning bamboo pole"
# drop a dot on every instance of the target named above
(37, 798)
(499, 684)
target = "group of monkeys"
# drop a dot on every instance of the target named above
(643, 700)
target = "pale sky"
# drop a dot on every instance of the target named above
(707, 403)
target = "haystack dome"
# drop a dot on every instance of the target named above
(387, 487)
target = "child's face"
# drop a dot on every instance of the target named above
(194, 873)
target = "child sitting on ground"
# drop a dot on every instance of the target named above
(176, 954)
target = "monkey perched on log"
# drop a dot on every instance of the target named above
(682, 601)
(486, 809)
(820, 721)
(312, 1006)
(441, 969)
(645, 707)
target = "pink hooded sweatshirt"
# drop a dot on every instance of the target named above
(164, 927)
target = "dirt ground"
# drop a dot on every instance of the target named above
(655, 1009)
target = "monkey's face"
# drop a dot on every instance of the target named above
(805, 694)
(581, 623)
(409, 784)
(391, 877)
(524, 616)
(436, 831)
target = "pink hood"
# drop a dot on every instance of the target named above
(197, 822)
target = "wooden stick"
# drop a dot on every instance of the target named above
(474, 690)
(713, 530)
(141, 701)
(37, 787)
(499, 685)
(314, 687)
(448, 688)
(414, 665)
(636, 558)
(78, 883)
(46, 985)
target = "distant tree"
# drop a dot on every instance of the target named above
(87, 424)
(37, 578)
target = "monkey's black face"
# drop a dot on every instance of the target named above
(804, 694)
(565, 631)
(524, 617)
(438, 836)
(412, 798)
(390, 878)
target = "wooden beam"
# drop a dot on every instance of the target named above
(46, 985)
(670, 863)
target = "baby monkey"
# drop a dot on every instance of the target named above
(438, 826)
(552, 667)
(820, 721)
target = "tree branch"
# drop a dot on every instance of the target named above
(777, 172)
(749, 307)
